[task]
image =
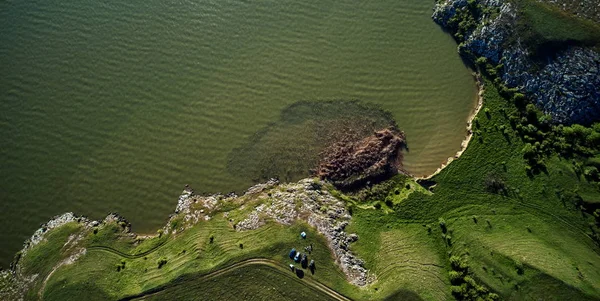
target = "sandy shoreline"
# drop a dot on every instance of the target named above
(465, 142)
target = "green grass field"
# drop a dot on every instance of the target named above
(259, 282)
(545, 28)
(189, 253)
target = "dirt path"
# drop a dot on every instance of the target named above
(255, 261)
(128, 256)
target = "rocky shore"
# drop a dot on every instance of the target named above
(14, 283)
(307, 201)
(566, 85)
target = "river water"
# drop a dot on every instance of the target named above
(112, 106)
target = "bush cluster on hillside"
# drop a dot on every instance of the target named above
(464, 286)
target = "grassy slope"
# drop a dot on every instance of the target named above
(543, 26)
(555, 250)
(189, 253)
(41, 259)
(245, 283)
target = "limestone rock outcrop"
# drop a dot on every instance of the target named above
(565, 85)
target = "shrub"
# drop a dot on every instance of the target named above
(590, 172)
(455, 277)
(495, 184)
(458, 290)
(519, 99)
(442, 223)
(458, 264)
(464, 286)
(519, 267)
(481, 61)
(121, 265)
(161, 262)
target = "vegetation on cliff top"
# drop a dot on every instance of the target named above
(545, 29)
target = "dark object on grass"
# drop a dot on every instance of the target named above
(292, 253)
(297, 257)
(494, 183)
(311, 266)
(304, 261)
(162, 262)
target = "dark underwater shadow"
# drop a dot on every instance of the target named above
(289, 148)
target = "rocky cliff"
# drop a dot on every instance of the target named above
(566, 84)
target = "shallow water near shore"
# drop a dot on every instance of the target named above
(114, 106)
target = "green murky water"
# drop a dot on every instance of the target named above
(114, 106)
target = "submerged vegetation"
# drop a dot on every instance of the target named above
(289, 148)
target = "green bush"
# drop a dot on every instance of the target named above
(464, 285)
(161, 262)
(519, 267)
(442, 223)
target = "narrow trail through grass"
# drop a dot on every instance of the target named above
(254, 261)
(128, 256)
